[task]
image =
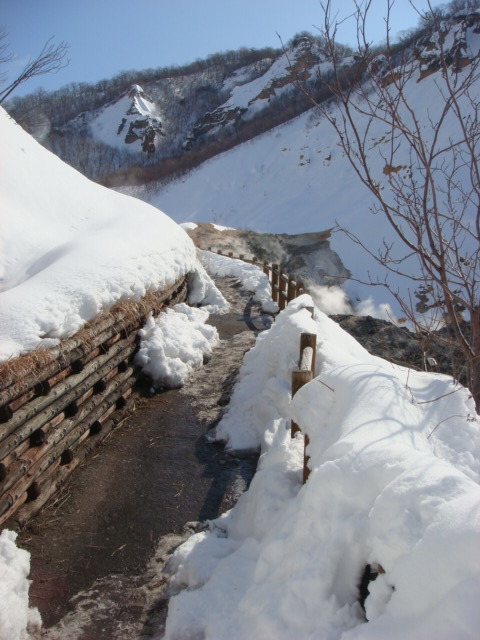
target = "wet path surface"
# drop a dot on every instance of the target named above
(105, 539)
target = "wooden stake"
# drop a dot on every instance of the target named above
(299, 378)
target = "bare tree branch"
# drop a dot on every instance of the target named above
(431, 201)
(51, 59)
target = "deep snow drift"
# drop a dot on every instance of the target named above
(394, 458)
(70, 249)
(175, 343)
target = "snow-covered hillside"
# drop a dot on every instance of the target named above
(106, 127)
(132, 122)
(295, 178)
(300, 63)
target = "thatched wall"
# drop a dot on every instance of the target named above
(57, 405)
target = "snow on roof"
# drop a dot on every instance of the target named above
(70, 248)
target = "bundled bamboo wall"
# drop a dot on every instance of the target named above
(57, 405)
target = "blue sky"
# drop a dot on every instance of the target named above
(107, 36)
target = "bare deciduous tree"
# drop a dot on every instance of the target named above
(51, 59)
(429, 185)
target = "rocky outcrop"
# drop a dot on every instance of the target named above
(297, 65)
(307, 255)
(423, 351)
(451, 44)
(143, 125)
(130, 122)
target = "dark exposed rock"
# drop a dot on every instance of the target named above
(306, 255)
(399, 345)
(296, 66)
(448, 45)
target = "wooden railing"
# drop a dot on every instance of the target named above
(285, 286)
(300, 376)
(57, 405)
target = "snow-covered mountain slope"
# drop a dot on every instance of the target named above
(131, 122)
(300, 63)
(291, 180)
(296, 179)
(70, 248)
(166, 113)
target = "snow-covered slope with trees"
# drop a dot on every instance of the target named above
(296, 178)
(132, 120)
(84, 124)
(301, 63)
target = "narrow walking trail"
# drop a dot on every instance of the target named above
(98, 550)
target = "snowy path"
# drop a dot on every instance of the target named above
(100, 539)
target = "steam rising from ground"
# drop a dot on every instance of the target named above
(334, 300)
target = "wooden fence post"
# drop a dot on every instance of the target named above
(308, 346)
(291, 288)
(285, 287)
(300, 377)
(275, 296)
(281, 301)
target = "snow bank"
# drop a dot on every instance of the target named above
(252, 278)
(70, 248)
(394, 459)
(15, 615)
(203, 292)
(174, 344)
